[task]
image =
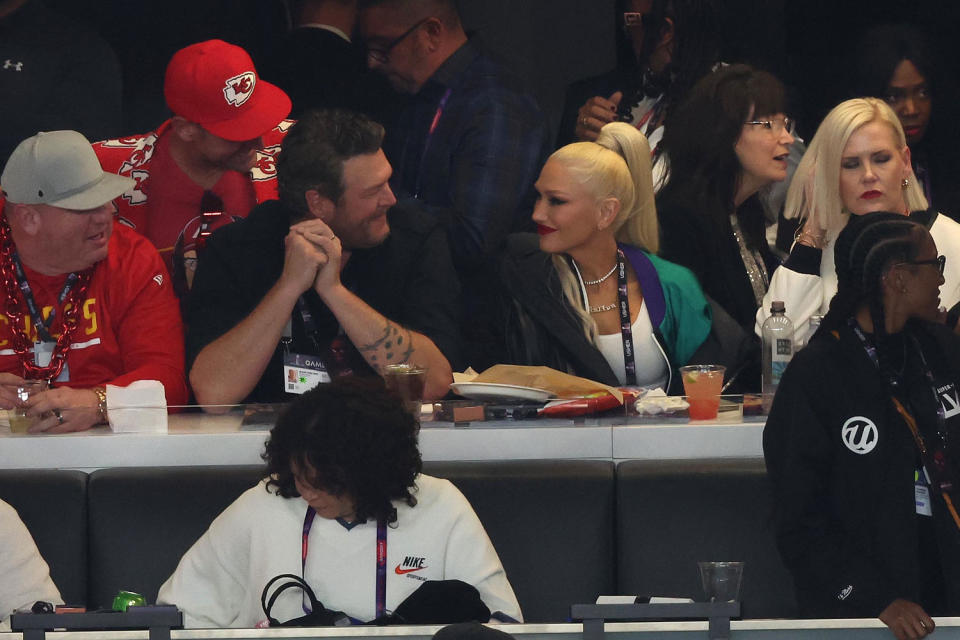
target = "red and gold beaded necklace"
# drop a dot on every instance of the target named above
(17, 292)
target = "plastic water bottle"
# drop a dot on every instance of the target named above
(799, 342)
(777, 334)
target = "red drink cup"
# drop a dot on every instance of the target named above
(702, 384)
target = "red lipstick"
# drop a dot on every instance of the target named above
(870, 195)
(542, 230)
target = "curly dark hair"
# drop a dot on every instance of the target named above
(358, 438)
(314, 150)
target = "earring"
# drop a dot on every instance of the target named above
(905, 183)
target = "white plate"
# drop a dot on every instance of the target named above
(494, 391)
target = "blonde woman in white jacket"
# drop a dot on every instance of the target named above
(858, 162)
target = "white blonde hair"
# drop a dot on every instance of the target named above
(617, 166)
(823, 158)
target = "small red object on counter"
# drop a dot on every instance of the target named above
(579, 406)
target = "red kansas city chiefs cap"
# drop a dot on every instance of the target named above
(214, 84)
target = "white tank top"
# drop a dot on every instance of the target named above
(651, 365)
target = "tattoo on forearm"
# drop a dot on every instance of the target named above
(394, 346)
(405, 357)
(388, 330)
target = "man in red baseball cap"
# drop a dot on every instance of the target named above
(207, 165)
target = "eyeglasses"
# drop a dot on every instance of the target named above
(777, 126)
(939, 262)
(382, 54)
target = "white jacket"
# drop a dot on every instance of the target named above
(806, 295)
(24, 575)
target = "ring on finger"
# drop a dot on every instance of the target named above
(583, 121)
(59, 416)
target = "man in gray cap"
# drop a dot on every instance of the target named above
(83, 302)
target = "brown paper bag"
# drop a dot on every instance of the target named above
(562, 384)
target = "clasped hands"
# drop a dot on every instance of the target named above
(59, 410)
(313, 256)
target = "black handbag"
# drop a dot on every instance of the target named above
(434, 602)
(319, 615)
(439, 602)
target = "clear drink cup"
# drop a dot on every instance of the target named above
(408, 381)
(19, 421)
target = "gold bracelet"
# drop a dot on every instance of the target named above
(811, 240)
(101, 402)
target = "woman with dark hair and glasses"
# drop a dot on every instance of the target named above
(728, 140)
(858, 162)
(861, 444)
(895, 63)
(343, 481)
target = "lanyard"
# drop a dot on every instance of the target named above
(928, 459)
(626, 325)
(871, 350)
(426, 145)
(309, 324)
(381, 551)
(38, 321)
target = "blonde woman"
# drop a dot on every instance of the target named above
(858, 162)
(589, 295)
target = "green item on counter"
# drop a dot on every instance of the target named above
(125, 599)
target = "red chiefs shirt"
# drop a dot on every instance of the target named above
(164, 205)
(129, 328)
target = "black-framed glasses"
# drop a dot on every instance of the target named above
(777, 125)
(382, 54)
(939, 262)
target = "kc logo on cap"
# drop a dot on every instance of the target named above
(239, 88)
(215, 85)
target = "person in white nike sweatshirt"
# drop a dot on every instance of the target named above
(343, 480)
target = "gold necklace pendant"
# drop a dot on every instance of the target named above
(603, 307)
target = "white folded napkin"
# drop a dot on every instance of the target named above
(656, 401)
(140, 407)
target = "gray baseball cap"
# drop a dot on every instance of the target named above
(59, 168)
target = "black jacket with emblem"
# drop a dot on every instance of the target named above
(845, 515)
